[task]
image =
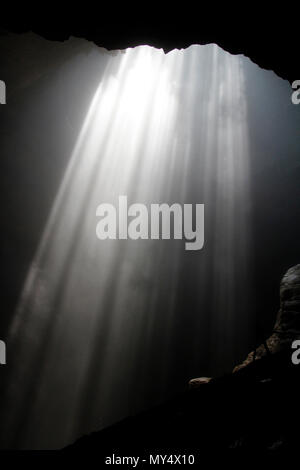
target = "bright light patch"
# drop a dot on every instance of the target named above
(96, 315)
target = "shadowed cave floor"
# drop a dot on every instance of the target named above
(249, 412)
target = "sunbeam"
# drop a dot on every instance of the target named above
(104, 328)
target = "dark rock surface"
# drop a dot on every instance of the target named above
(250, 412)
(287, 324)
(253, 410)
(268, 38)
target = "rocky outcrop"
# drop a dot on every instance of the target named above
(287, 324)
(265, 39)
(250, 412)
(286, 328)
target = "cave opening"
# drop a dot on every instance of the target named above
(103, 329)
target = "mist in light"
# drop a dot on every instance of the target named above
(105, 328)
